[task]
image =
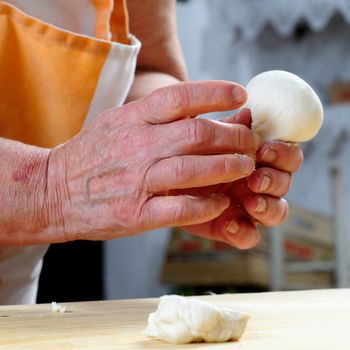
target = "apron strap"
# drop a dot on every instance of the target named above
(112, 20)
(119, 23)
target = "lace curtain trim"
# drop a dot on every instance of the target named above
(251, 16)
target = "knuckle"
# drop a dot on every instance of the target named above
(180, 211)
(180, 170)
(148, 215)
(149, 182)
(200, 133)
(127, 215)
(123, 215)
(241, 137)
(177, 99)
(174, 98)
(228, 167)
(141, 108)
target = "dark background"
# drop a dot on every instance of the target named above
(72, 272)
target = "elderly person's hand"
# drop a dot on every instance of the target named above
(118, 176)
(257, 198)
(146, 165)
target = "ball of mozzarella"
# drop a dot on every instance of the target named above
(181, 320)
(284, 107)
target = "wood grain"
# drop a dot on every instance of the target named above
(285, 320)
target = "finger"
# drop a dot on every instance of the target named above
(181, 100)
(203, 136)
(182, 210)
(197, 171)
(269, 211)
(242, 234)
(243, 117)
(270, 181)
(281, 155)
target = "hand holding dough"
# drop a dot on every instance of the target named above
(182, 320)
(284, 107)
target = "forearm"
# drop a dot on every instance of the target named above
(148, 81)
(160, 61)
(24, 192)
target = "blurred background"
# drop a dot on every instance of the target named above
(235, 40)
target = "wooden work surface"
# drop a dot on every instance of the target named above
(282, 321)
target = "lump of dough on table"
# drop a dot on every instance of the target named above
(184, 320)
(284, 107)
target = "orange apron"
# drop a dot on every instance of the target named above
(62, 62)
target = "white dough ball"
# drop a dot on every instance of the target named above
(284, 107)
(181, 320)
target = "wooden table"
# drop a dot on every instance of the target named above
(282, 321)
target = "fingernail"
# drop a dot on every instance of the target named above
(261, 206)
(265, 184)
(269, 155)
(246, 165)
(239, 94)
(233, 227)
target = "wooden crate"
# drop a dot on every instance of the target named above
(193, 261)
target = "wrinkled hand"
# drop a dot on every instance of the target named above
(120, 175)
(255, 199)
